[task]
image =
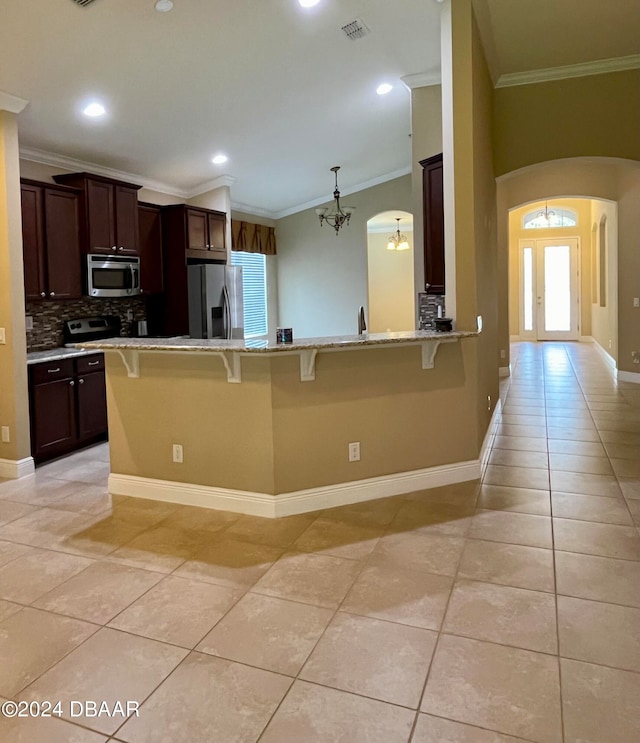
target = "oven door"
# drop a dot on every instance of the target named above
(112, 276)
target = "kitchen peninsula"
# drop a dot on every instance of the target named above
(265, 428)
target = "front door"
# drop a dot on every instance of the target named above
(550, 298)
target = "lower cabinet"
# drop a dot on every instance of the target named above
(68, 405)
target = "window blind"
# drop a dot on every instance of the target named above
(254, 288)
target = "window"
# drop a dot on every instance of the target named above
(543, 219)
(254, 288)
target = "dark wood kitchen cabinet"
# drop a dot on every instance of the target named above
(433, 213)
(51, 242)
(150, 223)
(92, 400)
(109, 213)
(68, 408)
(205, 232)
(188, 234)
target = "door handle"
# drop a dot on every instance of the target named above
(81, 381)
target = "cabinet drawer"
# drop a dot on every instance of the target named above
(92, 363)
(50, 371)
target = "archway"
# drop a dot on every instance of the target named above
(390, 279)
(611, 182)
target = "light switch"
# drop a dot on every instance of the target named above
(3, 338)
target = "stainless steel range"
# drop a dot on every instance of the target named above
(91, 328)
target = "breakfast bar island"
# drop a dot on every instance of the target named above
(271, 429)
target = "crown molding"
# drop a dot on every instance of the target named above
(73, 165)
(12, 103)
(255, 211)
(599, 67)
(346, 192)
(219, 182)
(421, 80)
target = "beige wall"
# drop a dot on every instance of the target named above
(276, 434)
(628, 268)
(426, 141)
(484, 200)
(322, 278)
(471, 215)
(390, 284)
(14, 404)
(603, 216)
(582, 231)
(598, 115)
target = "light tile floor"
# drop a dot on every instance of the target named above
(507, 610)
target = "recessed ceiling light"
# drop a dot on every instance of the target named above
(164, 6)
(384, 88)
(94, 109)
(219, 159)
(308, 3)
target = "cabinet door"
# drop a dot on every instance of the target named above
(33, 242)
(197, 230)
(100, 222)
(433, 206)
(53, 420)
(217, 242)
(126, 220)
(92, 406)
(150, 225)
(64, 262)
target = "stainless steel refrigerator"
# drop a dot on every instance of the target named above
(215, 301)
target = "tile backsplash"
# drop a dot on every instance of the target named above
(49, 317)
(428, 305)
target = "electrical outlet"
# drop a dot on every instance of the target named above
(488, 402)
(178, 454)
(28, 322)
(636, 301)
(635, 355)
(129, 315)
(354, 451)
(3, 337)
(6, 438)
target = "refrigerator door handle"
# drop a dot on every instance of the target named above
(226, 313)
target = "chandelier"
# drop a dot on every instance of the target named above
(546, 214)
(338, 215)
(398, 241)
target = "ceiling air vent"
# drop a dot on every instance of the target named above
(355, 29)
(82, 2)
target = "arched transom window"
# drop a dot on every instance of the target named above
(550, 216)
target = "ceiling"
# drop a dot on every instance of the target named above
(280, 89)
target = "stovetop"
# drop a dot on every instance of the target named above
(91, 328)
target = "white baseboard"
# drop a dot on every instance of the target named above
(13, 469)
(504, 371)
(606, 356)
(300, 501)
(487, 444)
(625, 376)
(587, 339)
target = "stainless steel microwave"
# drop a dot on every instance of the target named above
(113, 276)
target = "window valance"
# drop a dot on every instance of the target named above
(253, 238)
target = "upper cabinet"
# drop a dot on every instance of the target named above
(433, 211)
(205, 231)
(51, 245)
(109, 213)
(150, 222)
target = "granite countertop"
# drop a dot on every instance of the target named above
(58, 354)
(269, 346)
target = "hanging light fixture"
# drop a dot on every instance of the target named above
(338, 215)
(546, 214)
(398, 241)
